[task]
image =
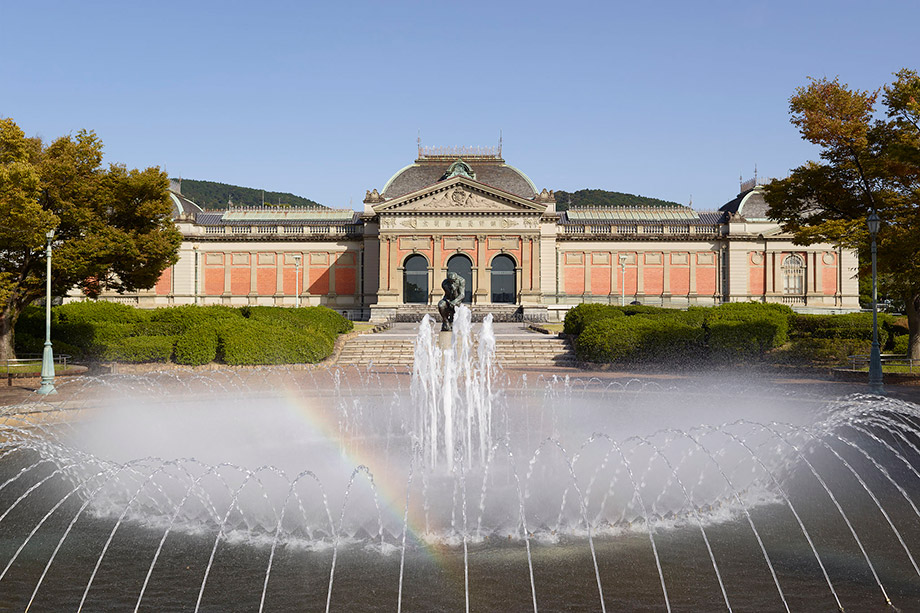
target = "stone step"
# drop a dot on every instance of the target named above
(384, 350)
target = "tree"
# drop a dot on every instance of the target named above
(868, 162)
(112, 225)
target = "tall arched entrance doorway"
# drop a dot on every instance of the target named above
(463, 266)
(504, 284)
(415, 280)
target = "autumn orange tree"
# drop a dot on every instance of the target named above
(112, 225)
(870, 160)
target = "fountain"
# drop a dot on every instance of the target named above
(466, 489)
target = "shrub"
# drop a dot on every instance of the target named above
(899, 345)
(32, 322)
(26, 343)
(850, 325)
(761, 316)
(317, 317)
(578, 318)
(94, 338)
(256, 342)
(694, 316)
(136, 349)
(825, 350)
(639, 339)
(180, 319)
(197, 346)
(738, 340)
(93, 311)
(641, 309)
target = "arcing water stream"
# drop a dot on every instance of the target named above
(465, 489)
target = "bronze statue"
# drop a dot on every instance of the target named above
(454, 288)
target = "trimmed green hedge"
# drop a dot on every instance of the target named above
(734, 341)
(136, 349)
(191, 334)
(197, 346)
(316, 317)
(900, 344)
(97, 311)
(639, 339)
(26, 343)
(578, 318)
(850, 325)
(183, 318)
(256, 342)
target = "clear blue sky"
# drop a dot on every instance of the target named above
(325, 99)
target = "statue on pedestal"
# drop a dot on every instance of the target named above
(454, 288)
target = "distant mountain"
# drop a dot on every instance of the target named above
(601, 197)
(214, 195)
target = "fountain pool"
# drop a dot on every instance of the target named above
(458, 488)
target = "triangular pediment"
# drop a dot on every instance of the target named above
(459, 195)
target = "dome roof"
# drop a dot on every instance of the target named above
(749, 203)
(487, 169)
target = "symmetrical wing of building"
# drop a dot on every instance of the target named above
(467, 211)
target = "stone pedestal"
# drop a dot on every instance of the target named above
(444, 339)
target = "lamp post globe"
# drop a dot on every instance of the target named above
(876, 383)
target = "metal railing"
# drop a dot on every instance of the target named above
(862, 361)
(20, 366)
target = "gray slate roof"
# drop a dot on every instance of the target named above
(275, 216)
(425, 171)
(182, 205)
(672, 216)
(749, 204)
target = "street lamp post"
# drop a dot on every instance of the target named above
(875, 357)
(297, 258)
(622, 279)
(47, 386)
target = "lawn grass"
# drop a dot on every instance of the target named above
(30, 367)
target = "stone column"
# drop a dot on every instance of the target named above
(526, 264)
(558, 272)
(228, 265)
(666, 277)
(537, 270)
(333, 258)
(253, 274)
(614, 273)
(586, 257)
(438, 275)
(640, 274)
(481, 291)
(393, 255)
(279, 274)
(693, 256)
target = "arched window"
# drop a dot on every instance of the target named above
(462, 265)
(504, 284)
(415, 284)
(794, 275)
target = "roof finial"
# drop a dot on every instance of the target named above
(499, 142)
(740, 182)
(755, 174)
(418, 141)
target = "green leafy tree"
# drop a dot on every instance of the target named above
(868, 161)
(112, 225)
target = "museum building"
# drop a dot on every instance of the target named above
(466, 211)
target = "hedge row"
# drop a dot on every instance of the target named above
(192, 335)
(733, 332)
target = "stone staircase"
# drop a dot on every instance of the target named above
(385, 350)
